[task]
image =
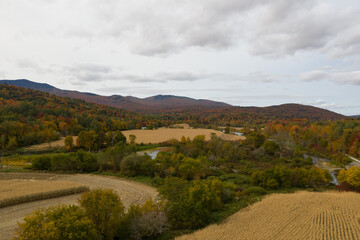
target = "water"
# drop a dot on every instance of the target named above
(317, 160)
(334, 181)
(238, 133)
(153, 154)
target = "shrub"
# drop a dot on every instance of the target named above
(254, 191)
(350, 176)
(105, 209)
(41, 163)
(57, 223)
(148, 220)
(130, 165)
(193, 209)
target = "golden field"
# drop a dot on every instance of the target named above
(302, 215)
(57, 143)
(164, 134)
(19, 191)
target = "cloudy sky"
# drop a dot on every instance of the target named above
(243, 52)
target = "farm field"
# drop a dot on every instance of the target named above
(17, 191)
(57, 143)
(302, 215)
(164, 134)
(129, 191)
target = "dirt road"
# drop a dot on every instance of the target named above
(129, 192)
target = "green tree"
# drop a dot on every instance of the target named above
(130, 165)
(3, 148)
(271, 147)
(132, 139)
(57, 223)
(193, 209)
(69, 141)
(105, 209)
(255, 139)
(190, 168)
(87, 139)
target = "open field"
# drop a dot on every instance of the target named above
(129, 191)
(17, 191)
(181, 125)
(57, 143)
(163, 134)
(302, 215)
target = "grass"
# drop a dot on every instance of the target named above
(142, 179)
(146, 147)
(14, 192)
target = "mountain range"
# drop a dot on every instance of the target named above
(158, 103)
(171, 103)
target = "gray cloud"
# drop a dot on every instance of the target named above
(341, 77)
(270, 28)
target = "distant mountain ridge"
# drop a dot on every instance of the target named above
(171, 103)
(156, 103)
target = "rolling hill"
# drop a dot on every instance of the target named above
(158, 103)
(168, 104)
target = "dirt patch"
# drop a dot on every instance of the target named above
(164, 134)
(129, 192)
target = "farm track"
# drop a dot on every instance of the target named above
(303, 215)
(129, 191)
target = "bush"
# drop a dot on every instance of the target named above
(105, 209)
(251, 191)
(350, 176)
(193, 209)
(147, 220)
(41, 163)
(86, 161)
(57, 223)
(130, 165)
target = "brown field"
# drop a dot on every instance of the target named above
(302, 215)
(19, 191)
(164, 134)
(57, 143)
(129, 191)
(181, 125)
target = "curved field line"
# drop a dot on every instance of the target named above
(129, 191)
(302, 215)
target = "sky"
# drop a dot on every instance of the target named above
(242, 52)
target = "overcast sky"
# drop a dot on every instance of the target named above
(243, 52)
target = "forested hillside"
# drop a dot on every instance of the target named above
(29, 117)
(196, 111)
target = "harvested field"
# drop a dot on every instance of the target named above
(302, 215)
(181, 125)
(164, 134)
(13, 192)
(129, 192)
(54, 144)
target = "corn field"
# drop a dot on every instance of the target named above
(19, 191)
(302, 215)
